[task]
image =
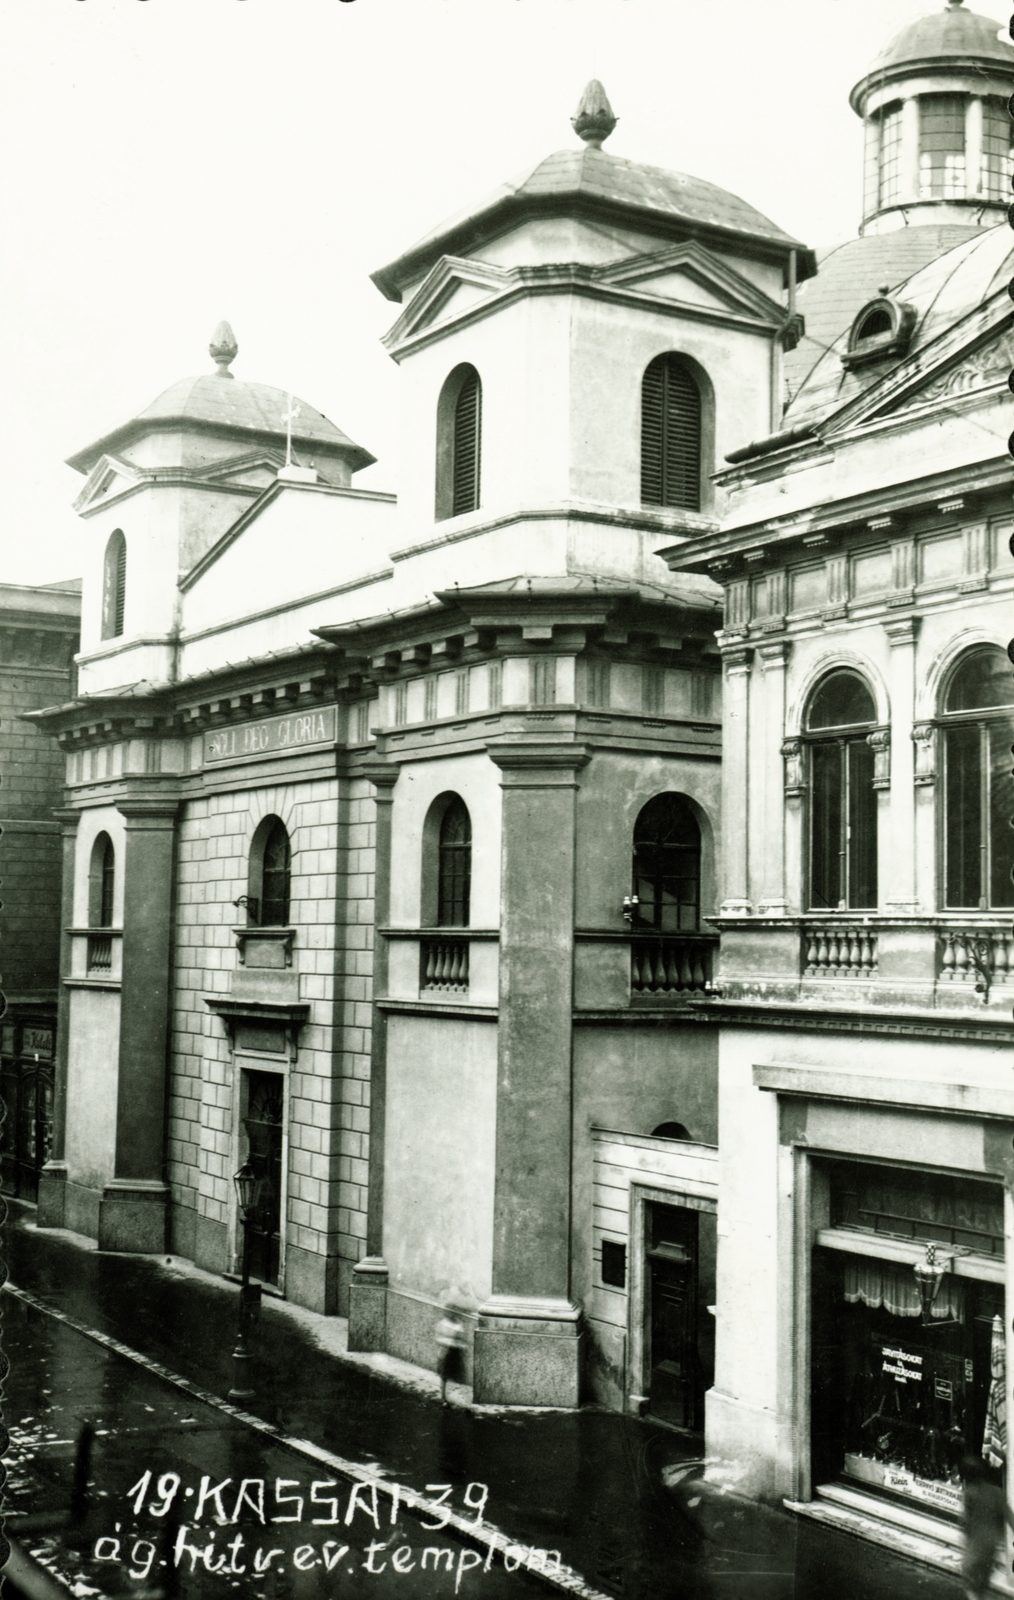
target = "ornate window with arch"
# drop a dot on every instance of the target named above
(976, 718)
(270, 875)
(843, 801)
(667, 865)
(459, 443)
(671, 434)
(454, 866)
(114, 585)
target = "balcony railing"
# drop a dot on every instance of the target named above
(100, 952)
(670, 964)
(443, 964)
(839, 950)
(976, 955)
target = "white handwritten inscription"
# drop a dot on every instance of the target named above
(200, 1545)
(274, 735)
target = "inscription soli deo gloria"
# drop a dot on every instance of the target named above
(293, 731)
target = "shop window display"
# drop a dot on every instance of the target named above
(902, 1397)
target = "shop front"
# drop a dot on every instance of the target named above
(908, 1352)
(26, 1089)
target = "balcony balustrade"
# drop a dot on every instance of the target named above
(671, 964)
(443, 964)
(975, 955)
(839, 950)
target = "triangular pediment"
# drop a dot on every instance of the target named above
(688, 274)
(108, 478)
(450, 290)
(977, 353)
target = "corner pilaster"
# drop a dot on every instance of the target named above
(53, 1177)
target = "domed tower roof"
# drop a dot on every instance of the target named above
(954, 38)
(229, 408)
(594, 184)
(938, 135)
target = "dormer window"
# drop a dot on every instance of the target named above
(882, 328)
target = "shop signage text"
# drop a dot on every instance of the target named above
(273, 735)
(901, 1366)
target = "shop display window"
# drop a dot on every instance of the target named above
(902, 1396)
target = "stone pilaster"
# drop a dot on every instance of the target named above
(897, 834)
(132, 1212)
(774, 897)
(736, 899)
(53, 1177)
(367, 1293)
(527, 1343)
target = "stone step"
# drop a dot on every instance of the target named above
(913, 1534)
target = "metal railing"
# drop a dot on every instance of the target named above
(100, 952)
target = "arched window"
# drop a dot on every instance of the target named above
(459, 443)
(267, 900)
(978, 788)
(101, 881)
(667, 865)
(114, 582)
(843, 801)
(671, 1130)
(454, 871)
(670, 435)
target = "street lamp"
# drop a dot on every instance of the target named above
(248, 1193)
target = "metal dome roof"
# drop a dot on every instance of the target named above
(941, 293)
(223, 404)
(595, 181)
(953, 37)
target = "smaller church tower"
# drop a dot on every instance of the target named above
(164, 487)
(938, 133)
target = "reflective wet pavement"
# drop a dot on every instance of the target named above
(601, 1489)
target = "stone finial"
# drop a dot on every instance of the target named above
(224, 349)
(594, 120)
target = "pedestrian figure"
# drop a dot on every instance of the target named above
(985, 1508)
(451, 1342)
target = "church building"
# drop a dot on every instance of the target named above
(578, 885)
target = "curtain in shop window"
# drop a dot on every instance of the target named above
(876, 1283)
(994, 1438)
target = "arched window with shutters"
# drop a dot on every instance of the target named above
(270, 873)
(843, 802)
(674, 435)
(114, 585)
(667, 865)
(454, 870)
(459, 444)
(977, 716)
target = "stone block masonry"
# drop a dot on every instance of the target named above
(326, 1148)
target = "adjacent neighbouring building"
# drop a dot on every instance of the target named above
(38, 638)
(866, 1106)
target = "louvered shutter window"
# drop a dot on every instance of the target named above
(114, 586)
(467, 445)
(670, 436)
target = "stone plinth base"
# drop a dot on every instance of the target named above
(133, 1216)
(749, 1451)
(527, 1352)
(368, 1305)
(52, 1206)
(311, 1280)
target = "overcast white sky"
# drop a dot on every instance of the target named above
(167, 163)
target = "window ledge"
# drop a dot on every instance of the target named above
(437, 932)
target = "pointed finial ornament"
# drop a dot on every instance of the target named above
(594, 120)
(224, 349)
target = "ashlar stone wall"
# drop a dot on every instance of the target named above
(331, 829)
